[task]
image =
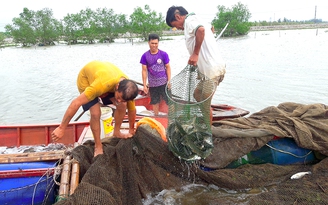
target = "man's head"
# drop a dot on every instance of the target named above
(175, 16)
(153, 40)
(126, 90)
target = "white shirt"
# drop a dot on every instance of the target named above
(210, 62)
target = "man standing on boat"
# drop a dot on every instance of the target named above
(200, 42)
(156, 67)
(102, 80)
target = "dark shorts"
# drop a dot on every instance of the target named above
(105, 101)
(156, 93)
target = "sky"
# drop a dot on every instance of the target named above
(268, 10)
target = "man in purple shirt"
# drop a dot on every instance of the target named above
(156, 67)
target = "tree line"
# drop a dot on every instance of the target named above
(104, 25)
(40, 27)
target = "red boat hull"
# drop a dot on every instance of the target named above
(40, 134)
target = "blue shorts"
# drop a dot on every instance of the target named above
(106, 101)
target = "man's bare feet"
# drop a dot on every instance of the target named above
(122, 135)
(98, 150)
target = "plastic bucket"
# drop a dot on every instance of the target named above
(106, 121)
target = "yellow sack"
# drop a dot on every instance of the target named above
(154, 124)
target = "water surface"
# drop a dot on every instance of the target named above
(263, 69)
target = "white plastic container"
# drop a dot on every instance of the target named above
(106, 122)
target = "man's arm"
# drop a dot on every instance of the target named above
(70, 112)
(132, 119)
(168, 72)
(144, 78)
(200, 34)
(119, 117)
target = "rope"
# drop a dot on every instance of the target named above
(59, 168)
(47, 174)
(285, 152)
(61, 197)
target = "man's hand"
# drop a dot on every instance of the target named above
(146, 89)
(57, 134)
(193, 59)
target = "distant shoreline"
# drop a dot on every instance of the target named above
(267, 28)
(289, 27)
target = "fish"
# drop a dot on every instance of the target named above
(189, 139)
(299, 175)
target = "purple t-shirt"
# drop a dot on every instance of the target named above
(156, 67)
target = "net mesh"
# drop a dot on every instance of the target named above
(131, 169)
(189, 130)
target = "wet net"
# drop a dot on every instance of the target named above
(189, 129)
(132, 169)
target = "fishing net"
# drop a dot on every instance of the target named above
(131, 170)
(189, 127)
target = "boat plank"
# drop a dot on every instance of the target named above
(32, 157)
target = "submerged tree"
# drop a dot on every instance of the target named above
(237, 17)
(46, 27)
(22, 28)
(109, 24)
(70, 29)
(2, 39)
(34, 27)
(144, 22)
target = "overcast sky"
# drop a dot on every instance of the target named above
(260, 9)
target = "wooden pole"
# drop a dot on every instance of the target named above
(75, 176)
(78, 117)
(64, 180)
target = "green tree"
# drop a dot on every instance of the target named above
(109, 24)
(34, 27)
(70, 29)
(237, 17)
(143, 22)
(46, 27)
(2, 39)
(22, 28)
(87, 24)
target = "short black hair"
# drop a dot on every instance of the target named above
(153, 36)
(128, 88)
(170, 14)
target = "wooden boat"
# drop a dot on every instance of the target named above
(220, 111)
(28, 177)
(38, 134)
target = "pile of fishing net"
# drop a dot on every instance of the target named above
(131, 169)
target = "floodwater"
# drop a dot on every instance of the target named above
(263, 69)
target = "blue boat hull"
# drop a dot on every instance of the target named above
(26, 190)
(282, 151)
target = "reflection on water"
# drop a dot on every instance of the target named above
(263, 69)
